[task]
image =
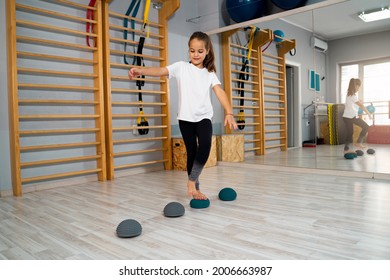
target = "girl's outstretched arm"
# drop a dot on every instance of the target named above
(222, 97)
(361, 105)
(149, 71)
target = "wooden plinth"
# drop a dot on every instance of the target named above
(179, 154)
(230, 147)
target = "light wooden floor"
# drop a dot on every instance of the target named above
(278, 214)
(330, 157)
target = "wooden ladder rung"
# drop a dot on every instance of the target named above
(136, 140)
(274, 146)
(275, 138)
(273, 94)
(57, 87)
(48, 117)
(245, 81)
(126, 116)
(139, 164)
(251, 149)
(123, 90)
(122, 16)
(136, 31)
(126, 103)
(56, 102)
(54, 57)
(58, 131)
(55, 73)
(274, 116)
(273, 86)
(246, 107)
(137, 152)
(272, 56)
(130, 128)
(273, 71)
(273, 100)
(134, 43)
(131, 54)
(274, 123)
(59, 146)
(60, 175)
(39, 26)
(59, 161)
(54, 43)
(252, 141)
(246, 90)
(45, 12)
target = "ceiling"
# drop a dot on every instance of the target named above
(341, 20)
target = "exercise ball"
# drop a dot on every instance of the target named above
(243, 10)
(371, 109)
(280, 36)
(289, 4)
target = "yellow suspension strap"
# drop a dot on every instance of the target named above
(142, 120)
(244, 77)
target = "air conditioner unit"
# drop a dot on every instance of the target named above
(318, 44)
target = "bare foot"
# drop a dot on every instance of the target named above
(360, 145)
(193, 192)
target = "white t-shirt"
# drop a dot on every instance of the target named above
(351, 108)
(194, 86)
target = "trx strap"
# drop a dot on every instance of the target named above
(141, 120)
(243, 76)
(133, 10)
(138, 60)
(89, 27)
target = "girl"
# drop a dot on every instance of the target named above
(195, 111)
(350, 115)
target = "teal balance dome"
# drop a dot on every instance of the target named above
(227, 194)
(199, 203)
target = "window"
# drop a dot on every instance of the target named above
(374, 76)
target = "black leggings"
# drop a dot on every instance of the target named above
(349, 130)
(197, 139)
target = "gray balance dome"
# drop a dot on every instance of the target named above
(128, 228)
(174, 209)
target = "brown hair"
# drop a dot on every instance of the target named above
(352, 88)
(209, 59)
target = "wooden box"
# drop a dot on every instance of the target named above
(230, 147)
(179, 154)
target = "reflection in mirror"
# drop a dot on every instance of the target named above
(351, 42)
(342, 41)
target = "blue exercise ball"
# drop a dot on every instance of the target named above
(243, 10)
(289, 4)
(371, 109)
(279, 34)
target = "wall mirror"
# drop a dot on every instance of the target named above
(345, 44)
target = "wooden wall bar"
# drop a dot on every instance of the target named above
(265, 105)
(55, 91)
(126, 148)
